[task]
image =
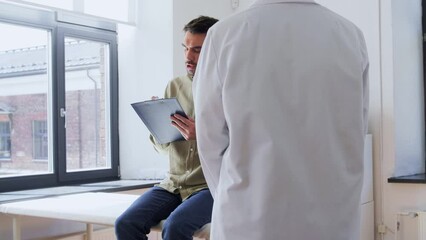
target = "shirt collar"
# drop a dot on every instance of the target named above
(257, 2)
(190, 76)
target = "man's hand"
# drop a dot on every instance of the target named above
(186, 126)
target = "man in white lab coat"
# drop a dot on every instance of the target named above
(281, 99)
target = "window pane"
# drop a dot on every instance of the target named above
(63, 4)
(113, 9)
(4, 137)
(86, 82)
(40, 144)
(24, 98)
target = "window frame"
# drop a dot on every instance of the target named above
(421, 177)
(50, 21)
(92, 34)
(424, 64)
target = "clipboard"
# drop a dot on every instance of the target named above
(155, 114)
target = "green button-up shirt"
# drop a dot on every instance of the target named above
(185, 175)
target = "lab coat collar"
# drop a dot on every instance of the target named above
(257, 2)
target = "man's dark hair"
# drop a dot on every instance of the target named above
(199, 25)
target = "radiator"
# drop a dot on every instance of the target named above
(411, 225)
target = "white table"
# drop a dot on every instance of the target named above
(90, 208)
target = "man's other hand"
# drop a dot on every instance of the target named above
(186, 126)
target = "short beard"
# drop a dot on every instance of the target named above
(190, 74)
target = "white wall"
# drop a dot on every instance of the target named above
(184, 11)
(150, 55)
(145, 67)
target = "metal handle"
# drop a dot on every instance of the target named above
(63, 114)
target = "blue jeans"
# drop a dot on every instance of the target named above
(183, 218)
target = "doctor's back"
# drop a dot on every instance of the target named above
(281, 105)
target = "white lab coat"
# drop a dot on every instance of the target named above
(281, 102)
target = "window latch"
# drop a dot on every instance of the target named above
(63, 114)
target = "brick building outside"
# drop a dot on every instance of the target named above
(26, 109)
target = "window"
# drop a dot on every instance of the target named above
(40, 140)
(63, 4)
(409, 50)
(86, 90)
(115, 9)
(58, 99)
(24, 83)
(4, 139)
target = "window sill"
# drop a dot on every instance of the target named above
(417, 178)
(112, 186)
